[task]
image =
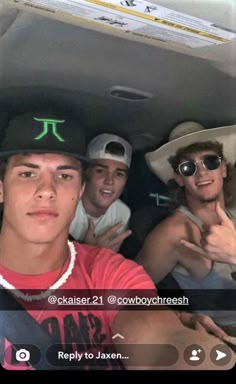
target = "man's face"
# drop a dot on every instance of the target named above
(105, 183)
(205, 185)
(40, 195)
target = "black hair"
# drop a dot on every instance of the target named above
(115, 148)
(3, 167)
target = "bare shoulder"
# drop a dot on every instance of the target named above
(174, 226)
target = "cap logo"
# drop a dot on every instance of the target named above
(47, 124)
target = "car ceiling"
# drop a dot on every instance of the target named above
(73, 67)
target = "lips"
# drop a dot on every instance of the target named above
(43, 213)
(106, 192)
(204, 183)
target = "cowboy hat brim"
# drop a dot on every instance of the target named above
(158, 159)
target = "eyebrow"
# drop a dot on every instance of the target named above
(35, 166)
(106, 167)
(189, 157)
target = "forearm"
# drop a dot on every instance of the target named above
(158, 264)
(154, 329)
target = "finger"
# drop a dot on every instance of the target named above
(122, 236)
(199, 327)
(230, 339)
(193, 247)
(116, 242)
(89, 235)
(119, 238)
(211, 327)
(224, 219)
(203, 241)
(110, 232)
(212, 240)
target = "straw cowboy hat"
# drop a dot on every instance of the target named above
(185, 134)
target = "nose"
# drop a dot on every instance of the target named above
(200, 167)
(109, 178)
(46, 188)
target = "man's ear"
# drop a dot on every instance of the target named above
(179, 179)
(82, 190)
(1, 192)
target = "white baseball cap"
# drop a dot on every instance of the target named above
(98, 148)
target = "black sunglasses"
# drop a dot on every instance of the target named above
(189, 167)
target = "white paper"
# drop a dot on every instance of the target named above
(141, 18)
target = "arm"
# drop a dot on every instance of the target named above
(150, 329)
(162, 250)
(118, 273)
(158, 254)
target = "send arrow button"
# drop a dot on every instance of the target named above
(221, 355)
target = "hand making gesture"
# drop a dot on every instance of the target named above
(218, 242)
(111, 238)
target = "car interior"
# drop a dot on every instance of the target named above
(134, 68)
(138, 81)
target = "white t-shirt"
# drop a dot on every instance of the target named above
(117, 212)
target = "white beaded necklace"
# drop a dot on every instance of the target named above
(56, 285)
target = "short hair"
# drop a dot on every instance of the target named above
(3, 167)
(184, 152)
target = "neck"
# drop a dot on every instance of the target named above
(91, 209)
(205, 211)
(30, 258)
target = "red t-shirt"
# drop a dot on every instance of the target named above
(79, 329)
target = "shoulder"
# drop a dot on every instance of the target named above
(177, 218)
(120, 204)
(173, 227)
(120, 207)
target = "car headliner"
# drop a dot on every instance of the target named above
(73, 67)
